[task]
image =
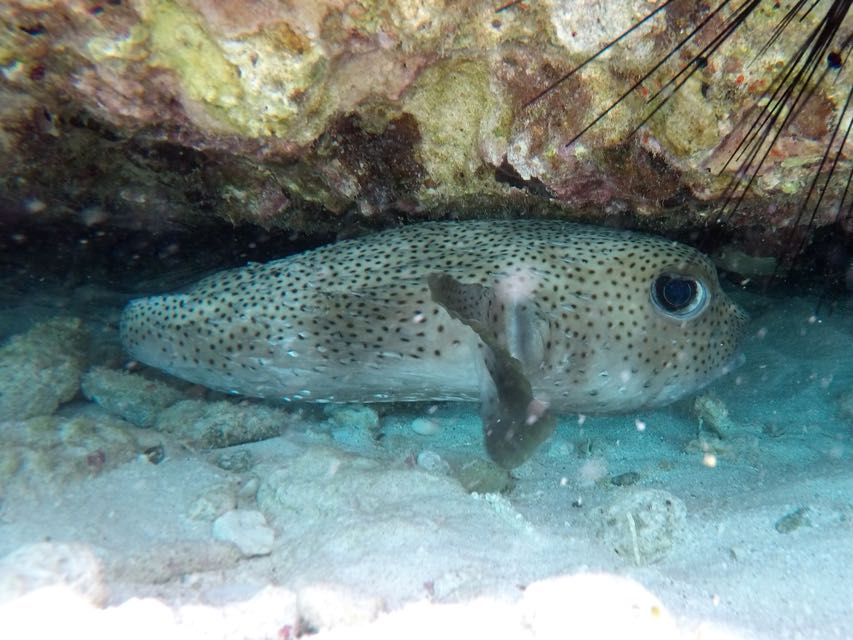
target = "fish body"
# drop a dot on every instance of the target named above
(563, 317)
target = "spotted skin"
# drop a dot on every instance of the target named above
(357, 320)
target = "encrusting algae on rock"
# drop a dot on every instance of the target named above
(227, 105)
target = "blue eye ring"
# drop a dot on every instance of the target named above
(679, 296)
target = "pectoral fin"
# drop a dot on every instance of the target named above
(514, 422)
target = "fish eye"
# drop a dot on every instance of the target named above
(679, 296)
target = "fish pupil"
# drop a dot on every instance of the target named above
(675, 294)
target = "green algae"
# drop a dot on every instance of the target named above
(452, 102)
(688, 122)
(248, 85)
(178, 42)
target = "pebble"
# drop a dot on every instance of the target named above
(792, 521)
(353, 416)
(155, 454)
(483, 476)
(625, 479)
(642, 526)
(247, 530)
(248, 489)
(431, 461)
(223, 424)
(129, 396)
(425, 426)
(236, 460)
(41, 369)
(213, 503)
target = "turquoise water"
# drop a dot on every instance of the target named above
(733, 513)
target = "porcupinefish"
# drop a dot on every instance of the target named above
(533, 318)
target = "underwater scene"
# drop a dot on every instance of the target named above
(347, 319)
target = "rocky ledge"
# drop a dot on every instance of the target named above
(147, 113)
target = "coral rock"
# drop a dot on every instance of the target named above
(274, 112)
(643, 525)
(127, 395)
(40, 369)
(248, 530)
(216, 425)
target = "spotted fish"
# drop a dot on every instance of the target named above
(533, 318)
